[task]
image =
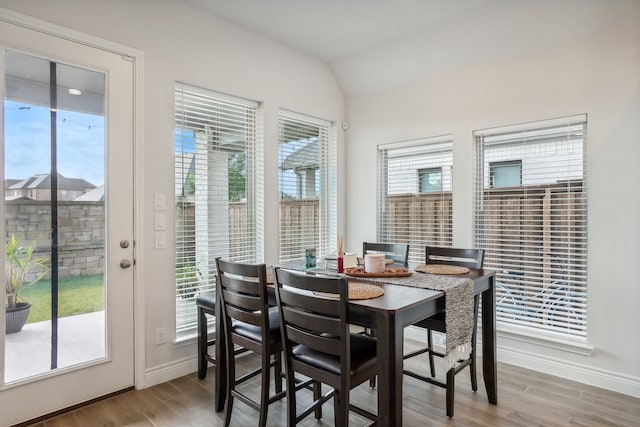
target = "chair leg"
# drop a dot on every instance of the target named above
(341, 408)
(277, 372)
(317, 393)
(372, 381)
(473, 368)
(264, 392)
(231, 381)
(291, 397)
(432, 365)
(202, 343)
(451, 387)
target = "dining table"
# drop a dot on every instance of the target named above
(389, 314)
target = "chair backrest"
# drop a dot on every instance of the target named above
(310, 317)
(470, 258)
(242, 291)
(398, 252)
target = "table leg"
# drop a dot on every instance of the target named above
(220, 383)
(390, 347)
(489, 357)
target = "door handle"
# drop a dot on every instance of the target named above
(125, 263)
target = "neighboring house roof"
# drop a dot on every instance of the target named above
(43, 181)
(95, 195)
(10, 182)
(307, 157)
(17, 198)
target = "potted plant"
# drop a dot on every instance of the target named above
(188, 280)
(19, 263)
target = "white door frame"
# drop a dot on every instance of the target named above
(136, 57)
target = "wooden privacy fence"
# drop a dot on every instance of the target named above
(522, 229)
(295, 215)
(540, 230)
(536, 238)
(418, 219)
(299, 228)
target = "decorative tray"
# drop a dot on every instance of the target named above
(388, 272)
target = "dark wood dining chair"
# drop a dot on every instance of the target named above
(398, 252)
(251, 324)
(470, 258)
(206, 308)
(318, 344)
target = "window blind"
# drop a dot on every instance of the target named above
(414, 194)
(307, 164)
(535, 232)
(215, 197)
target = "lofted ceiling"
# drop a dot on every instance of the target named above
(333, 29)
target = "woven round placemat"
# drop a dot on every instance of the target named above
(441, 269)
(269, 278)
(358, 290)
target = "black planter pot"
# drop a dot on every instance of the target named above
(17, 317)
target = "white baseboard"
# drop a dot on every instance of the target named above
(170, 371)
(609, 380)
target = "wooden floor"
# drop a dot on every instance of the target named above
(525, 398)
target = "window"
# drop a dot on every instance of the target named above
(307, 181)
(216, 203)
(414, 194)
(531, 219)
(506, 174)
(430, 179)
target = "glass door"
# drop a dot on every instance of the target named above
(67, 146)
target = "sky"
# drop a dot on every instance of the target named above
(81, 148)
(80, 142)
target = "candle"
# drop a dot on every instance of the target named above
(340, 256)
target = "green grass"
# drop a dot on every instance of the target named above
(76, 295)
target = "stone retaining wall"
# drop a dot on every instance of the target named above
(80, 233)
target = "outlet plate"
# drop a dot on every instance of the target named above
(161, 240)
(161, 336)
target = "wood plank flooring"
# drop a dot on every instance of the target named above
(525, 399)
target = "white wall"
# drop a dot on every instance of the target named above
(514, 62)
(180, 43)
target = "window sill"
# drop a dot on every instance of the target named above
(557, 343)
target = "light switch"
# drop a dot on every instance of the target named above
(160, 221)
(160, 202)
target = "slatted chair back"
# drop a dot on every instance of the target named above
(398, 252)
(470, 258)
(243, 294)
(308, 318)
